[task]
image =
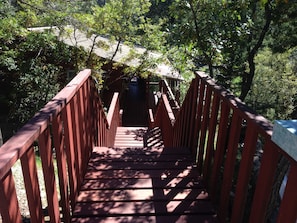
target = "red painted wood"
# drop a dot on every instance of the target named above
(32, 186)
(13, 149)
(204, 128)
(113, 119)
(220, 150)
(59, 144)
(201, 93)
(211, 138)
(193, 114)
(83, 135)
(9, 207)
(81, 131)
(233, 140)
(264, 126)
(246, 164)
(287, 211)
(134, 182)
(166, 120)
(88, 94)
(186, 116)
(69, 148)
(264, 185)
(76, 138)
(182, 120)
(90, 119)
(45, 150)
(73, 136)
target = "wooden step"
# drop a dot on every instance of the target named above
(130, 137)
(137, 183)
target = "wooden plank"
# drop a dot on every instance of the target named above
(209, 153)
(76, 138)
(188, 218)
(32, 186)
(221, 147)
(45, 149)
(193, 113)
(145, 183)
(245, 171)
(287, 211)
(187, 104)
(69, 149)
(59, 143)
(229, 166)
(264, 186)
(9, 207)
(138, 173)
(143, 207)
(138, 165)
(140, 194)
(204, 128)
(143, 151)
(142, 183)
(198, 118)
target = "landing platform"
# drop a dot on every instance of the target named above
(142, 184)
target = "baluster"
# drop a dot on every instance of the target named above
(229, 165)
(59, 143)
(220, 149)
(69, 148)
(9, 206)
(269, 163)
(32, 186)
(287, 211)
(246, 164)
(45, 150)
(211, 138)
(204, 128)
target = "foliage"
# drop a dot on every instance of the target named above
(39, 62)
(125, 22)
(31, 64)
(225, 36)
(275, 85)
(35, 87)
(221, 37)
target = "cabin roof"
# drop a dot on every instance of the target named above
(105, 48)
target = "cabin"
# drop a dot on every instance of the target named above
(195, 162)
(136, 92)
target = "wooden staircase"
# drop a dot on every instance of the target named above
(143, 176)
(138, 180)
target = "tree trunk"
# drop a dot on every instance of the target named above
(247, 78)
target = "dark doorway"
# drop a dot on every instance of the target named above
(135, 107)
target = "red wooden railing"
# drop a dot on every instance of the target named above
(165, 89)
(67, 127)
(224, 135)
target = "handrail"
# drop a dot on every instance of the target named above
(165, 119)
(68, 126)
(113, 118)
(225, 136)
(165, 89)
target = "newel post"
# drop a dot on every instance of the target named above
(285, 136)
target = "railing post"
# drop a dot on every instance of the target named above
(264, 186)
(9, 207)
(45, 149)
(285, 136)
(29, 169)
